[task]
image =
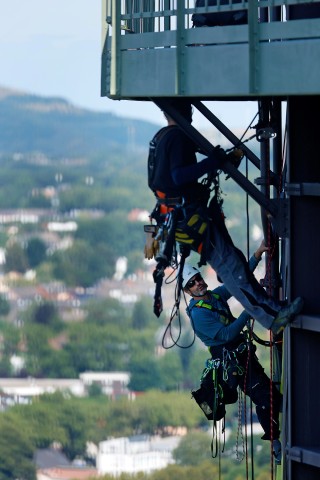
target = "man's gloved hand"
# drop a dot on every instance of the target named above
(151, 247)
(217, 158)
(235, 157)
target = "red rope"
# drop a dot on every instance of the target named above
(245, 413)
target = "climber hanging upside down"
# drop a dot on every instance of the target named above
(175, 174)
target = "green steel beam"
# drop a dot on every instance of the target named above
(180, 55)
(115, 72)
(253, 46)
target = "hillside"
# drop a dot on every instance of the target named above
(57, 128)
(40, 134)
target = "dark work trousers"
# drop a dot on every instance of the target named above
(232, 269)
(244, 370)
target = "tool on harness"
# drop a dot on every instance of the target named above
(151, 247)
(214, 392)
(231, 367)
(158, 275)
(166, 235)
(190, 233)
(209, 396)
(193, 230)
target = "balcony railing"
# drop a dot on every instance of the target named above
(140, 25)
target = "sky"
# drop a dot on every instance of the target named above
(53, 48)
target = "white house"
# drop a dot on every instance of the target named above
(22, 390)
(135, 454)
(111, 383)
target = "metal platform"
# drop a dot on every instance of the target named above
(152, 52)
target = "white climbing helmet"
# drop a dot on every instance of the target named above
(188, 272)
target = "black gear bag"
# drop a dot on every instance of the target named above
(214, 393)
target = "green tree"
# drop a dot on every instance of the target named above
(16, 451)
(74, 422)
(46, 313)
(58, 364)
(36, 251)
(135, 258)
(4, 306)
(95, 390)
(11, 336)
(142, 315)
(107, 311)
(82, 265)
(6, 369)
(16, 259)
(145, 374)
(193, 449)
(170, 368)
(11, 339)
(154, 410)
(176, 472)
(96, 348)
(40, 420)
(114, 230)
(36, 337)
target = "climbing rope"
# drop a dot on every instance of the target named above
(175, 313)
(241, 456)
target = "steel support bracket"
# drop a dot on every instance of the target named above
(302, 189)
(294, 453)
(265, 181)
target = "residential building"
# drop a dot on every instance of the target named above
(22, 390)
(135, 454)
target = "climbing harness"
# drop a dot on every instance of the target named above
(185, 227)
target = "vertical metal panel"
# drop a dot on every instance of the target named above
(305, 217)
(304, 355)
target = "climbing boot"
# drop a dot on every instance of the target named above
(276, 449)
(286, 315)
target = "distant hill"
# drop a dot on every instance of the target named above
(57, 128)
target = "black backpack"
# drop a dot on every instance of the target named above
(153, 153)
(152, 157)
(234, 17)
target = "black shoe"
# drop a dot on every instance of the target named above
(286, 315)
(276, 448)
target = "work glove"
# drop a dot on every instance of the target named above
(151, 247)
(235, 157)
(216, 159)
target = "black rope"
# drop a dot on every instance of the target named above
(242, 142)
(175, 313)
(249, 339)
